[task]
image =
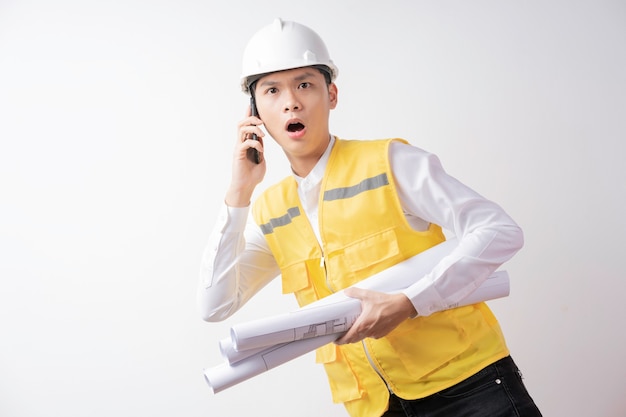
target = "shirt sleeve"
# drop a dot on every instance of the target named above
(487, 235)
(236, 264)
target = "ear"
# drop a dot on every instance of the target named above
(332, 95)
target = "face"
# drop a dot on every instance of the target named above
(295, 106)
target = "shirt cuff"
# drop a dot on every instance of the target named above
(232, 219)
(425, 299)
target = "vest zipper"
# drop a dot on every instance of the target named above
(323, 258)
(323, 265)
(328, 284)
(374, 367)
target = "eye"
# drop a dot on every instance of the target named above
(305, 84)
(271, 90)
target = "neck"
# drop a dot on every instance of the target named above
(302, 165)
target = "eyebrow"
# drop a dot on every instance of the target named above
(301, 77)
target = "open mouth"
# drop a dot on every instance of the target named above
(295, 127)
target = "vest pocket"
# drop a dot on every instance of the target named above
(424, 344)
(343, 384)
(359, 256)
(294, 278)
(305, 280)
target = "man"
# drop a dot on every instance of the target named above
(349, 210)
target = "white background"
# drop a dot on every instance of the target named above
(117, 120)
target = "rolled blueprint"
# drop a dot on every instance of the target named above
(496, 286)
(232, 355)
(300, 324)
(248, 364)
(225, 375)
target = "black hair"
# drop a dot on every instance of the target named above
(325, 72)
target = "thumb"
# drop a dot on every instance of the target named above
(354, 292)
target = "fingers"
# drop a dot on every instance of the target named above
(353, 335)
(380, 314)
(248, 130)
(249, 126)
(250, 141)
(250, 136)
(355, 292)
(357, 331)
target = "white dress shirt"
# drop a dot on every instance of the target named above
(237, 261)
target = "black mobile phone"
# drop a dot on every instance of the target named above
(253, 154)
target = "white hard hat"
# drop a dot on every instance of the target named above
(280, 46)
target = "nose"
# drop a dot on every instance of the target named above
(291, 102)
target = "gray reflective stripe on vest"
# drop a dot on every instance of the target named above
(268, 227)
(365, 185)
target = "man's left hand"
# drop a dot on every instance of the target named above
(380, 314)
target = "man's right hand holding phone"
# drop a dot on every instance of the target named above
(246, 173)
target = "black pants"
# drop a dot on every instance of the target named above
(495, 391)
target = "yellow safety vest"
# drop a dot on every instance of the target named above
(364, 231)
